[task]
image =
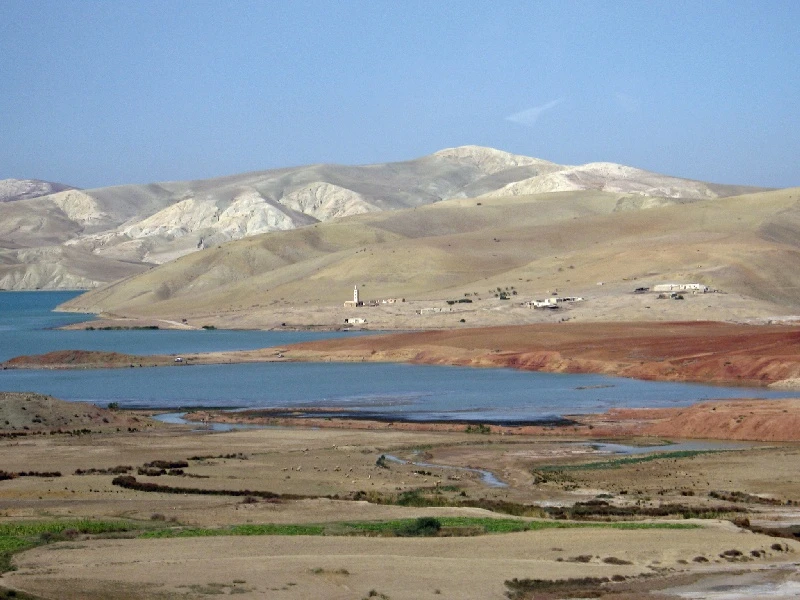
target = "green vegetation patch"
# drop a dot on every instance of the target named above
(20, 535)
(624, 462)
(423, 526)
(249, 529)
(84, 526)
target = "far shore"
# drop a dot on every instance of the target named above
(702, 352)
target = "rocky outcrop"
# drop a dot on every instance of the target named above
(80, 207)
(325, 201)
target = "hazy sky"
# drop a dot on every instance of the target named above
(107, 92)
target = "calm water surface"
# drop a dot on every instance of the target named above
(27, 321)
(407, 391)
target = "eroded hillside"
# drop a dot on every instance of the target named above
(123, 230)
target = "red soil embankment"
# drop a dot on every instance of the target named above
(746, 419)
(708, 352)
(763, 420)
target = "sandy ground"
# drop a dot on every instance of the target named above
(346, 568)
(342, 461)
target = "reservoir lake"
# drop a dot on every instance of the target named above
(412, 392)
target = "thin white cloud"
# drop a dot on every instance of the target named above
(627, 102)
(529, 116)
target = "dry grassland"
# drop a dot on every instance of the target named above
(341, 462)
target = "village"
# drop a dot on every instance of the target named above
(553, 302)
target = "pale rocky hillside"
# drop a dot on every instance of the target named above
(92, 237)
(611, 177)
(20, 189)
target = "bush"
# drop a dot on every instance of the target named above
(424, 526)
(478, 428)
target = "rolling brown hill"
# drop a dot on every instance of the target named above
(745, 246)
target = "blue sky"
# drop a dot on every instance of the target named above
(108, 92)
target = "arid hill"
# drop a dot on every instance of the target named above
(596, 245)
(69, 238)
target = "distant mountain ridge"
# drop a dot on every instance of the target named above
(56, 236)
(22, 189)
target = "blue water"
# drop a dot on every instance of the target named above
(407, 391)
(27, 321)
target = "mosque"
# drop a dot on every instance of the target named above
(355, 301)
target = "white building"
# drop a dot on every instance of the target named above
(680, 287)
(554, 302)
(355, 321)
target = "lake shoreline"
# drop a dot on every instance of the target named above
(741, 419)
(713, 353)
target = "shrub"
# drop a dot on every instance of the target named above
(424, 526)
(479, 428)
(613, 560)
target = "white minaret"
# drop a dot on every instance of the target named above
(355, 294)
